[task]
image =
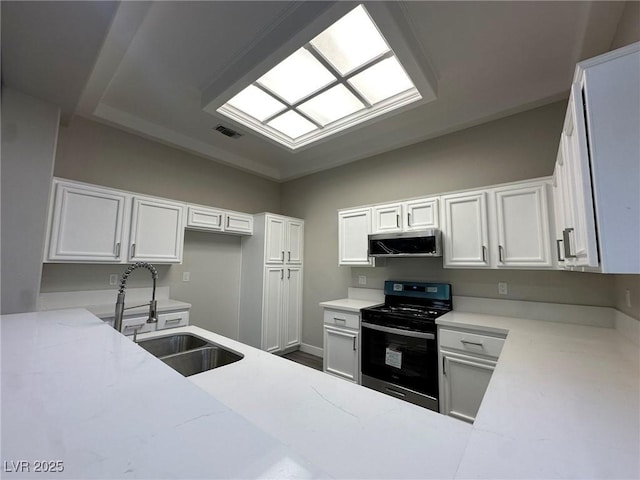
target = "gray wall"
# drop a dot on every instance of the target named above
(95, 153)
(628, 30)
(515, 148)
(29, 134)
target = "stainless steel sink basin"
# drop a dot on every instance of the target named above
(188, 354)
(163, 346)
(201, 360)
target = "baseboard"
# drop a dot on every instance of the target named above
(312, 350)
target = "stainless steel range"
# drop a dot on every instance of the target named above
(399, 353)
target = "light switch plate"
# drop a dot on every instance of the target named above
(362, 279)
(186, 276)
(502, 288)
(113, 279)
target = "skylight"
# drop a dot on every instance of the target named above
(345, 75)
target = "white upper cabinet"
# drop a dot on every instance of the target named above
(465, 230)
(240, 223)
(204, 218)
(405, 216)
(522, 223)
(284, 240)
(157, 231)
(86, 224)
(421, 214)
(354, 226)
(600, 225)
(387, 218)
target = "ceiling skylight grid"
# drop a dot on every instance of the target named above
(345, 75)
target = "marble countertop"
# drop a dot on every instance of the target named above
(563, 402)
(350, 304)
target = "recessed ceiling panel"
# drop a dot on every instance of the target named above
(292, 124)
(255, 102)
(297, 77)
(382, 81)
(351, 42)
(332, 105)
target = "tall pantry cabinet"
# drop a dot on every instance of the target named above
(271, 283)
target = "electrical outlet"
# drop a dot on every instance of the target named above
(362, 279)
(113, 279)
(186, 276)
(502, 288)
(627, 298)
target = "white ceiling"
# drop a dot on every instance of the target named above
(160, 61)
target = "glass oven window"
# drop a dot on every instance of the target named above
(406, 361)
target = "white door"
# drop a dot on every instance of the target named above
(465, 230)
(421, 214)
(157, 231)
(292, 306)
(354, 227)
(341, 353)
(387, 218)
(86, 224)
(522, 221)
(272, 309)
(581, 235)
(275, 240)
(295, 241)
(465, 381)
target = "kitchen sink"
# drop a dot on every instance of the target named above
(163, 346)
(201, 360)
(188, 354)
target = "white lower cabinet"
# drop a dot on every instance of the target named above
(342, 344)
(467, 360)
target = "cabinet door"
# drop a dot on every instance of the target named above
(295, 241)
(275, 240)
(203, 218)
(465, 381)
(272, 309)
(238, 223)
(559, 193)
(387, 218)
(354, 227)
(421, 214)
(341, 353)
(523, 226)
(465, 230)
(157, 231)
(580, 234)
(292, 306)
(86, 224)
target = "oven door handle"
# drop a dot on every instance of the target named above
(399, 331)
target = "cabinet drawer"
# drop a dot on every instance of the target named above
(172, 320)
(341, 318)
(471, 342)
(139, 324)
(201, 218)
(238, 223)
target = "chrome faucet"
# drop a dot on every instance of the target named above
(153, 306)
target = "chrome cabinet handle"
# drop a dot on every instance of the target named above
(173, 320)
(354, 344)
(408, 219)
(477, 344)
(117, 249)
(567, 243)
(484, 253)
(558, 250)
(133, 250)
(289, 257)
(283, 255)
(398, 221)
(338, 319)
(501, 253)
(288, 273)
(228, 220)
(282, 274)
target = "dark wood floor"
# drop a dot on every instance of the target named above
(305, 359)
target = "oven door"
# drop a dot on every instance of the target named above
(404, 358)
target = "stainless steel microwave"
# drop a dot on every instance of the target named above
(424, 243)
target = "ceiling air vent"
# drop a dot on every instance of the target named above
(227, 131)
